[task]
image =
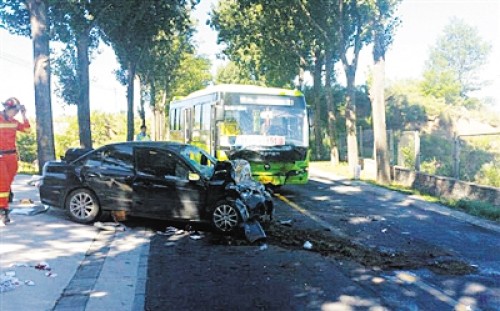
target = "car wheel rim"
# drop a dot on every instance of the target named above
(82, 205)
(225, 217)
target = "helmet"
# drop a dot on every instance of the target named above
(12, 103)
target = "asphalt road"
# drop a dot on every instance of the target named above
(371, 250)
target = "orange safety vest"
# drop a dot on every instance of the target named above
(8, 157)
(8, 128)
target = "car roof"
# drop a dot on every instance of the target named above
(170, 145)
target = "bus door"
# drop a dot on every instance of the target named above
(187, 125)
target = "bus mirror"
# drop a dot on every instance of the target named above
(219, 113)
(310, 116)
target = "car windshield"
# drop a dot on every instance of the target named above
(200, 159)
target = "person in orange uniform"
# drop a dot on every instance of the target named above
(8, 153)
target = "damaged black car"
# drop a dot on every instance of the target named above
(161, 180)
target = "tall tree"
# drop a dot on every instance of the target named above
(130, 28)
(354, 34)
(454, 61)
(383, 26)
(30, 18)
(74, 23)
(264, 38)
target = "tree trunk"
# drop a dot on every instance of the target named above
(332, 120)
(378, 112)
(38, 10)
(318, 141)
(130, 101)
(152, 106)
(142, 111)
(83, 98)
(350, 120)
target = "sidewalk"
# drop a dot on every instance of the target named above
(62, 265)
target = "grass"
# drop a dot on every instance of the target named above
(471, 207)
(27, 168)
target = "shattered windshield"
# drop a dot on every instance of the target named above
(264, 125)
(200, 159)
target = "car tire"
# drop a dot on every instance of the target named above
(225, 217)
(82, 206)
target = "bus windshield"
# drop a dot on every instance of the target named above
(264, 125)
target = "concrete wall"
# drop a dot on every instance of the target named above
(445, 187)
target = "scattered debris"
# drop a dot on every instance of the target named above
(263, 247)
(307, 245)
(10, 273)
(26, 202)
(287, 223)
(384, 230)
(43, 266)
(253, 231)
(29, 211)
(326, 244)
(196, 236)
(50, 274)
(109, 226)
(34, 180)
(169, 244)
(8, 283)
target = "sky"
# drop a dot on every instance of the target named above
(422, 22)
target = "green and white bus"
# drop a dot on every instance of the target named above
(268, 127)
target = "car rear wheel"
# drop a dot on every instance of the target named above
(225, 217)
(82, 206)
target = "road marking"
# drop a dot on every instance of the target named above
(314, 218)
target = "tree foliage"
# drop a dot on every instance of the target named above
(454, 61)
(143, 21)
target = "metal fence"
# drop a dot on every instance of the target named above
(470, 157)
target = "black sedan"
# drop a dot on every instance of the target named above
(161, 180)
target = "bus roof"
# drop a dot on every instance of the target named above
(246, 89)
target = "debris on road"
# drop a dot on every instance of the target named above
(8, 283)
(384, 230)
(42, 266)
(50, 274)
(34, 180)
(29, 210)
(307, 245)
(327, 244)
(10, 273)
(287, 223)
(263, 247)
(9, 280)
(196, 236)
(253, 231)
(109, 226)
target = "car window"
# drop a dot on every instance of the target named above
(160, 163)
(118, 157)
(93, 159)
(201, 160)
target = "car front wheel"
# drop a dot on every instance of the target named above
(82, 206)
(225, 217)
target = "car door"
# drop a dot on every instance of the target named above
(162, 181)
(109, 172)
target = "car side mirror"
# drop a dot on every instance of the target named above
(193, 176)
